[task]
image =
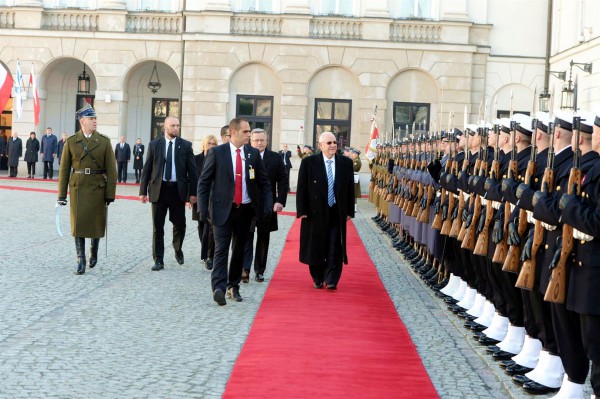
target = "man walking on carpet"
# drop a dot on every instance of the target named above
(325, 202)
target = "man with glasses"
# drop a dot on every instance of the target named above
(265, 225)
(325, 202)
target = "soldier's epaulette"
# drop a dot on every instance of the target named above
(103, 135)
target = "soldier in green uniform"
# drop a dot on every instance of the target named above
(89, 171)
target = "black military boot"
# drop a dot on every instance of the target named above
(94, 252)
(80, 248)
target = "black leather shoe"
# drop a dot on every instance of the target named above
(476, 327)
(234, 293)
(219, 297)
(492, 349)
(179, 257)
(450, 301)
(209, 264)
(507, 363)
(456, 309)
(478, 335)
(245, 276)
(502, 355)
(331, 287)
(94, 252)
(533, 387)
(158, 265)
(318, 285)
(488, 341)
(259, 277)
(520, 379)
(517, 369)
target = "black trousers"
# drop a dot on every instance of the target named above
(590, 331)
(13, 171)
(168, 200)
(330, 272)
(567, 327)
(512, 297)
(207, 240)
(235, 233)
(260, 253)
(122, 169)
(138, 175)
(30, 168)
(48, 169)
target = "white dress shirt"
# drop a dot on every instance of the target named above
(245, 196)
(173, 172)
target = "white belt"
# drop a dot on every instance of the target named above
(496, 205)
(438, 194)
(512, 208)
(578, 235)
(548, 227)
(530, 218)
(465, 195)
(483, 201)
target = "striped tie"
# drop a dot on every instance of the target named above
(330, 196)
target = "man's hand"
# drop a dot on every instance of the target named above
(513, 233)
(348, 218)
(193, 199)
(566, 198)
(497, 232)
(143, 199)
(528, 247)
(556, 257)
(302, 217)
(277, 207)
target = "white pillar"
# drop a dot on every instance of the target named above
(113, 5)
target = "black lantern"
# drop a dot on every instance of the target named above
(154, 85)
(544, 104)
(566, 100)
(83, 82)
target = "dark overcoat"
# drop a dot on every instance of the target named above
(32, 147)
(88, 192)
(49, 147)
(14, 152)
(138, 156)
(311, 200)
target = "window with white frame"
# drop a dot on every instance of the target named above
(411, 9)
(89, 5)
(256, 6)
(336, 7)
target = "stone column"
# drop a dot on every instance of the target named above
(112, 16)
(28, 14)
(113, 5)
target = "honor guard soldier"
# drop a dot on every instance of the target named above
(88, 171)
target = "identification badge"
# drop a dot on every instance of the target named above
(251, 173)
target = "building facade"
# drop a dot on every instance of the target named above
(296, 67)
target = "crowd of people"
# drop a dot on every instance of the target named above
(234, 189)
(502, 221)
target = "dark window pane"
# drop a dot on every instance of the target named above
(263, 107)
(324, 109)
(407, 114)
(343, 135)
(342, 111)
(246, 106)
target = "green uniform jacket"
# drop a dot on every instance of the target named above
(88, 192)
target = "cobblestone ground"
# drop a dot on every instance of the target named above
(122, 331)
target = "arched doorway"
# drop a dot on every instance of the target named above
(144, 111)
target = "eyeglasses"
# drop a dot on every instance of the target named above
(330, 142)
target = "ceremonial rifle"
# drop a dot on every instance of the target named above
(513, 257)
(437, 220)
(419, 184)
(430, 189)
(527, 275)
(457, 222)
(413, 184)
(513, 171)
(447, 223)
(481, 166)
(556, 291)
(481, 248)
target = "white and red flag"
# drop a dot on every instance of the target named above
(370, 151)
(6, 82)
(36, 98)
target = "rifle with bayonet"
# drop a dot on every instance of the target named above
(412, 192)
(527, 275)
(556, 291)
(438, 219)
(426, 213)
(513, 257)
(481, 166)
(513, 171)
(457, 221)
(481, 247)
(419, 184)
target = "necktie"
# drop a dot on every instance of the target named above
(330, 196)
(169, 165)
(284, 158)
(237, 195)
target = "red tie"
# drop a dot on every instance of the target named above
(237, 196)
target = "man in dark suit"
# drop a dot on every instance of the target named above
(285, 158)
(123, 155)
(48, 152)
(232, 180)
(61, 146)
(168, 182)
(325, 202)
(265, 225)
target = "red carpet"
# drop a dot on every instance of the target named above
(348, 343)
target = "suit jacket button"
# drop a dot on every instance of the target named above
(580, 264)
(546, 246)
(582, 242)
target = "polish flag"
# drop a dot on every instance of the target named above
(370, 151)
(36, 98)
(6, 82)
